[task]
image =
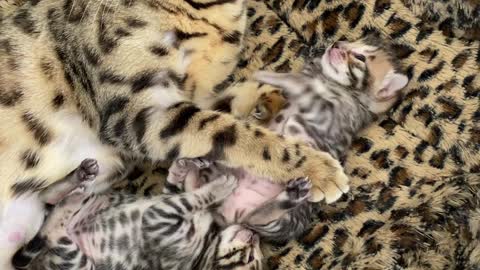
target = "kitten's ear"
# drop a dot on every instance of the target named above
(391, 85)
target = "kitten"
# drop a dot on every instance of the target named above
(117, 231)
(331, 100)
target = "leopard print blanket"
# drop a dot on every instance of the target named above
(415, 173)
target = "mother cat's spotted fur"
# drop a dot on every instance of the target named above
(114, 79)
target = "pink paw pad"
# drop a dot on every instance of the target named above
(15, 237)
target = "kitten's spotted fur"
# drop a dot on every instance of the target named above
(117, 231)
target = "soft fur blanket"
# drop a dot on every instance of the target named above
(415, 173)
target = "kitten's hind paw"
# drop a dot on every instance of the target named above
(299, 189)
(88, 170)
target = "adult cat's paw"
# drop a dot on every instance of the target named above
(329, 180)
(88, 170)
(298, 189)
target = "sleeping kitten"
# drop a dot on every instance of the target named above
(116, 231)
(331, 100)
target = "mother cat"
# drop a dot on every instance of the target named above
(126, 79)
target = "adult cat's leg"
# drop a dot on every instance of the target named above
(182, 130)
(286, 216)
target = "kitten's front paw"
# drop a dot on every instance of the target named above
(299, 189)
(223, 186)
(329, 180)
(88, 170)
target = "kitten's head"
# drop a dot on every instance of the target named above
(365, 66)
(238, 248)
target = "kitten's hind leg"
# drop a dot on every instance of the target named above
(86, 172)
(204, 197)
(17, 230)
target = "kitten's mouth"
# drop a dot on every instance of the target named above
(336, 56)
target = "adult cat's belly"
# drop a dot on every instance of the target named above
(71, 141)
(251, 193)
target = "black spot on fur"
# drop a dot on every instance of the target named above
(115, 105)
(224, 84)
(362, 145)
(41, 134)
(266, 153)
(222, 140)
(142, 81)
(58, 101)
(399, 26)
(369, 227)
(419, 151)
(233, 38)
(385, 200)
(109, 77)
(105, 41)
(258, 133)
(399, 177)
(30, 159)
(159, 50)
(300, 162)
(402, 51)
(381, 6)
(10, 98)
(354, 13)
(140, 124)
(381, 159)
(173, 153)
(274, 53)
(91, 55)
(135, 23)
(23, 20)
(48, 68)
(224, 104)
(179, 122)
(119, 128)
(28, 185)
(207, 120)
(430, 73)
(121, 32)
(183, 36)
(451, 109)
(206, 5)
(286, 155)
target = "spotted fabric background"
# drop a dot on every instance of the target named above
(415, 173)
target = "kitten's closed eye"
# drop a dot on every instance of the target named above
(359, 57)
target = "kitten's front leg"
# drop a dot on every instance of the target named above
(290, 83)
(203, 197)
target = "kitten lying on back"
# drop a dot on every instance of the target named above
(118, 231)
(331, 100)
